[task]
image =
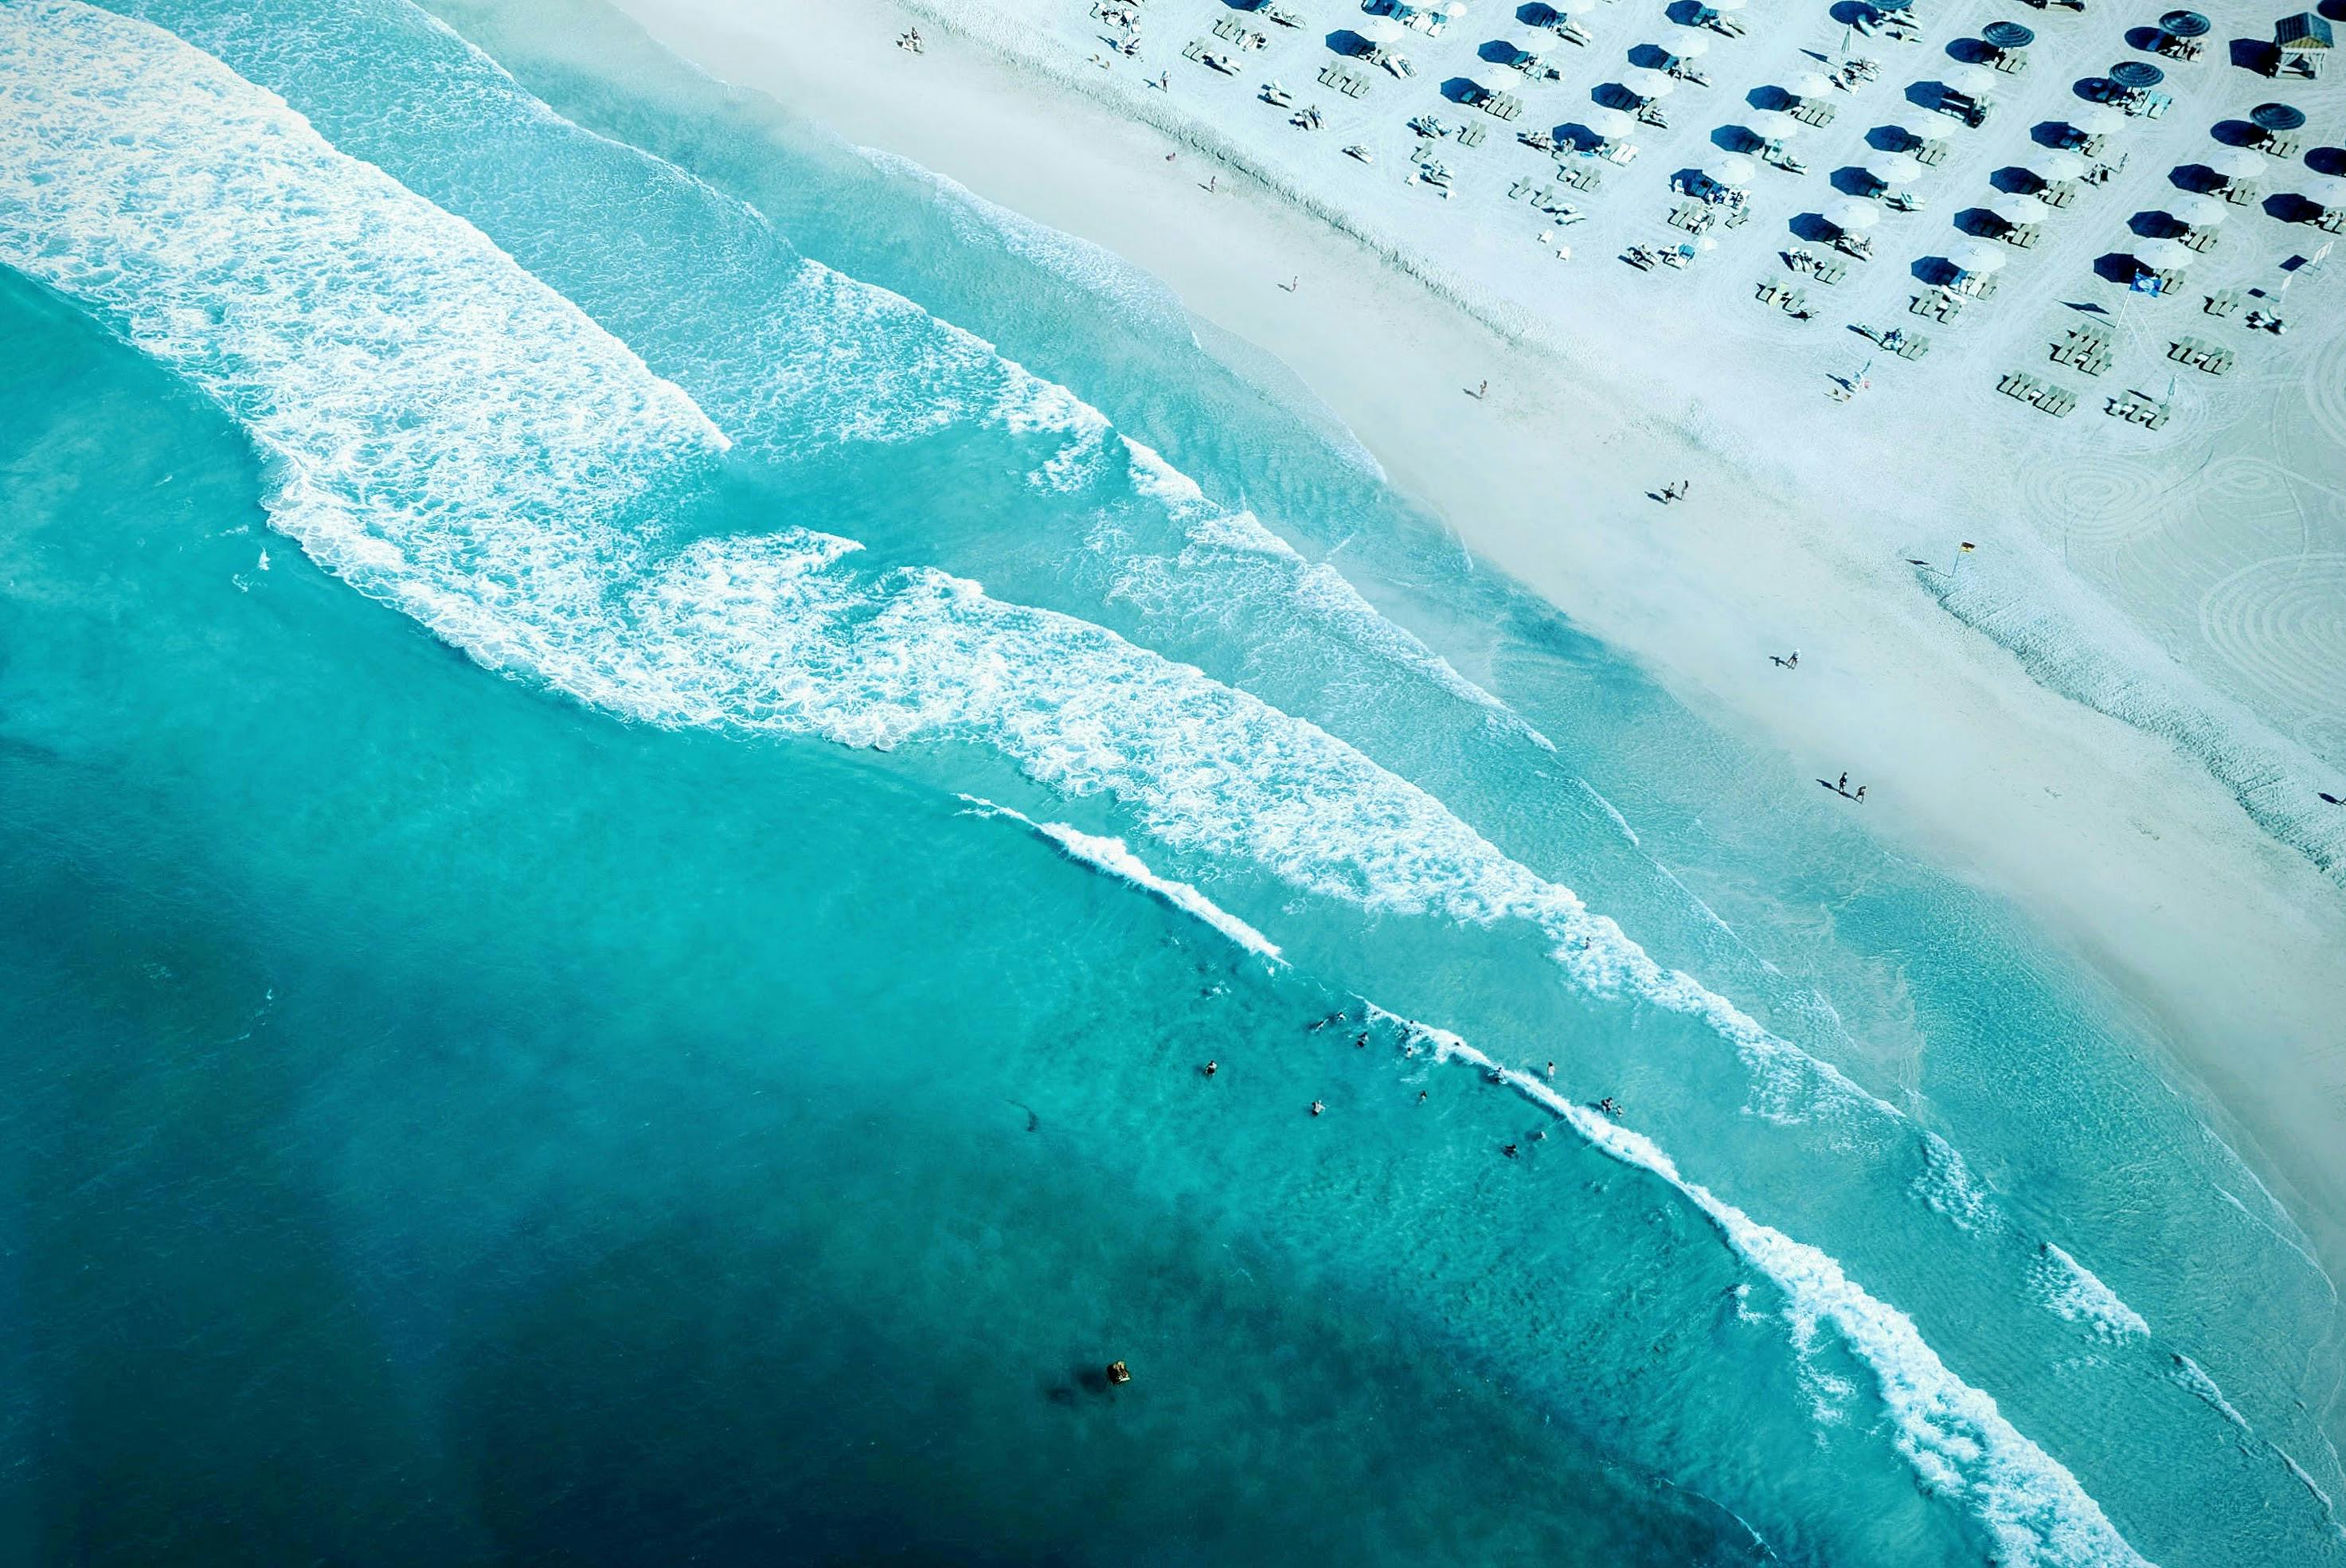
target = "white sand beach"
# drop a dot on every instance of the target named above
(2190, 580)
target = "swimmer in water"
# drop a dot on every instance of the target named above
(1318, 1106)
(1212, 1068)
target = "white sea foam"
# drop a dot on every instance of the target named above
(450, 435)
(1958, 1442)
(2194, 1377)
(2070, 1290)
(1112, 856)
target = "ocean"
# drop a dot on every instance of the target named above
(643, 757)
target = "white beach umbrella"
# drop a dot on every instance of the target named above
(1978, 256)
(1382, 30)
(2165, 254)
(2097, 119)
(2013, 209)
(1853, 216)
(2055, 164)
(1730, 169)
(1610, 123)
(1454, 9)
(1810, 85)
(2326, 191)
(1893, 168)
(1707, 242)
(2198, 211)
(1649, 83)
(2237, 162)
(1771, 124)
(1724, 6)
(1970, 80)
(1693, 47)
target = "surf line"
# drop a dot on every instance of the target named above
(1946, 1428)
(1112, 856)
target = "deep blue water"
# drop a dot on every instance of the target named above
(528, 1037)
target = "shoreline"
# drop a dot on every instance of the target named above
(2141, 864)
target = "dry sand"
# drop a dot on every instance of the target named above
(2126, 849)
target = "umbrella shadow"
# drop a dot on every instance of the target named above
(1970, 51)
(2143, 38)
(1851, 181)
(1685, 13)
(2252, 55)
(2195, 177)
(2116, 267)
(1736, 138)
(1651, 56)
(2327, 160)
(1344, 41)
(2235, 133)
(2155, 225)
(2050, 133)
(1537, 14)
(1769, 97)
(2289, 207)
(2013, 180)
(1978, 223)
(1812, 227)
(1889, 138)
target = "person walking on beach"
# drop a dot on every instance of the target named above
(1483, 390)
(1861, 794)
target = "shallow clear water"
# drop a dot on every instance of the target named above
(524, 1039)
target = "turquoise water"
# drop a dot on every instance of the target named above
(569, 996)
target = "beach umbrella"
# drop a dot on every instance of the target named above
(1810, 85)
(1771, 124)
(1454, 9)
(1382, 30)
(2326, 191)
(2006, 36)
(1978, 256)
(1852, 215)
(2097, 119)
(1693, 47)
(2052, 164)
(2165, 254)
(1893, 168)
(2237, 162)
(2184, 25)
(2137, 74)
(2277, 116)
(1610, 123)
(1707, 242)
(1970, 80)
(1724, 6)
(2020, 208)
(2198, 211)
(1730, 169)
(1649, 83)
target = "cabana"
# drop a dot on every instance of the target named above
(2301, 44)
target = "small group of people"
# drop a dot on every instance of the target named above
(911, 42)
(1842, 786)
(1787, 661)
(1671, 492)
